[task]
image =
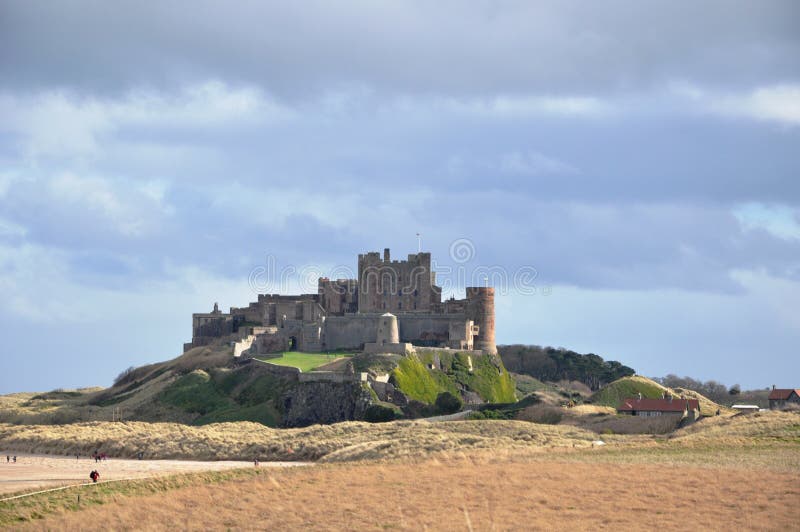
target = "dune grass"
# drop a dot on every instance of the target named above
(484, 491)
(749, 462)
(243, 441)
(305, 361)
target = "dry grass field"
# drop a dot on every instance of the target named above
(457, 493)
(727, 472)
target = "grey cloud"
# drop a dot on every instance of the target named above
(297, 49)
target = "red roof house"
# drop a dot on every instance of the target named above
(657, 407)
(780, 397)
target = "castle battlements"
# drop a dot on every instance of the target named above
(347, 313)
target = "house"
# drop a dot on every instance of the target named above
(667, 406)
(782, 397)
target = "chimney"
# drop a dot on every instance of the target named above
(670, 398)
(385, 254)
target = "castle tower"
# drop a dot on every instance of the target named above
(396, 285)
(480, 309)
(388, 332)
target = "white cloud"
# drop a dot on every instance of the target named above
(11, 229)
(134, 209)
(780, 103)
(779, 220)
(531, 105)
(61, 123)
(775, 103)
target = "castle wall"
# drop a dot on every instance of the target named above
(426, 329)
(351, 331)
(345, 313)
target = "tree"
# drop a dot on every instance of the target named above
(735, 390)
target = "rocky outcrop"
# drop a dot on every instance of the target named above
(310, 403)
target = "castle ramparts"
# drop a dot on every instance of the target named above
(347, 314)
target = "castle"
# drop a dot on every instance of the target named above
(392, 306)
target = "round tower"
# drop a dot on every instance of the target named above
(388, 333)
(480, 309)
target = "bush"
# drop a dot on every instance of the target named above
(380, 413)
(448, 403)
(490, 414)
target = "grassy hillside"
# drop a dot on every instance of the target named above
(206, 385)
(198, 387)
(626, 387)
(613, 394)
(451, 373)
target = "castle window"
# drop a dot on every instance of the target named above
(400, 305)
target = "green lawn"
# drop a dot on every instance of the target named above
(305, 361)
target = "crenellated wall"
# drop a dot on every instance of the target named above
(345, 313)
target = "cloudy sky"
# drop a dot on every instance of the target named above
(633, 168)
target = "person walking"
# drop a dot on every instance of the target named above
(15, 458)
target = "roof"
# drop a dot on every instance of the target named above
(782, 393)
(658, 405)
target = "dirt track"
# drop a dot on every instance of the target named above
(37, 471)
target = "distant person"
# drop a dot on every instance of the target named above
(140, 455)
(15, 458)
(94, 475)
(255, 462)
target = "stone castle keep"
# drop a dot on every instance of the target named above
(392, 306)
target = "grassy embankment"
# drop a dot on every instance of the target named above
(488, 377)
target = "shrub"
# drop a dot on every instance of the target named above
(448, 403)
(380, 413)
(490, 414)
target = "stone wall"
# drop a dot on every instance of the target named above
(332, 376)
(351, 331)
(287, 372)
(320, 402)
(427, 329)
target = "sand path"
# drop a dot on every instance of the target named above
(41, 471)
